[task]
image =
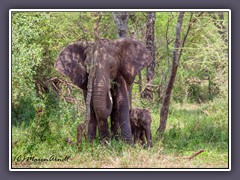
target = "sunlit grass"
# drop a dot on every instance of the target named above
(190, 127)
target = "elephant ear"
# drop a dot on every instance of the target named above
(71, 63)
(134, 57)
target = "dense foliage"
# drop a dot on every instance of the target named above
(46, 107)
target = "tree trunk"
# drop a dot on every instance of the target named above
(175, 61)
(91, 70)
(121, 21)
(148, 91)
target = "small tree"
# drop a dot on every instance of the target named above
(175, 62)
(177, 53)
(121, 21)
(91, 70)
(148, 91)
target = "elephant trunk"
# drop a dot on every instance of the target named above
(102, 103)
(101, 95)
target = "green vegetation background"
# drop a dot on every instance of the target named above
(198, 117)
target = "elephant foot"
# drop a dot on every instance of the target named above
(115, 136)
(148, 145)
(105, 142)
(105, 139)
(104, 136)
(91, 136)
(128, 141)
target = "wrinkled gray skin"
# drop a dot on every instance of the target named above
(140, 120)
(118, 62)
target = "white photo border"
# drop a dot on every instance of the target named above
(119, 169)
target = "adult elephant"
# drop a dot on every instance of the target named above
(117, 63)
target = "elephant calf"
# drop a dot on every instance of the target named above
(140, 120)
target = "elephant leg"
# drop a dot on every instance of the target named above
(135, 135)
(142, 137)
(102, 106)
(92, 125)
(123, 110)
(114, 117)
(103, 130)
(138, 135)
(115, 126)
(148, 137)
(130, 95)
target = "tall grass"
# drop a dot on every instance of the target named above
(190, 127)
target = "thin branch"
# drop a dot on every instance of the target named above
(91, 70)
(175, 62)
(193, 155)
(196, 153)
(191, 22)
(96, 27)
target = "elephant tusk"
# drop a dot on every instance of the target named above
(110, 97)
